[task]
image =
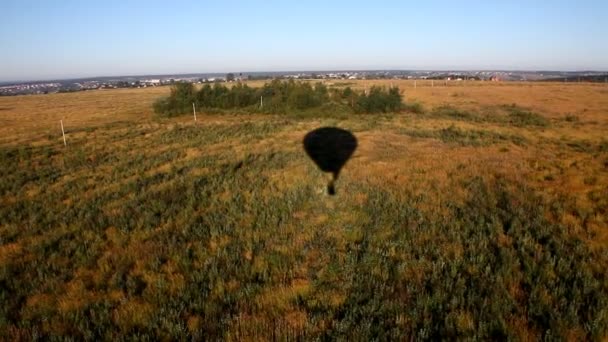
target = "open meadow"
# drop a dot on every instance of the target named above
(480, 210)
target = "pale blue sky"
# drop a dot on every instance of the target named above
(79, 38)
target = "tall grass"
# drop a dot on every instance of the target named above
(195, 233)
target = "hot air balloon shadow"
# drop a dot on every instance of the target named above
(330, 148)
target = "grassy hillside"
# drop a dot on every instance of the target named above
(481, 214)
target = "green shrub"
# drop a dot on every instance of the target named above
(277, 97)
(179, 101)
(379, 100)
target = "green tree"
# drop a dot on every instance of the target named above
(179, 101)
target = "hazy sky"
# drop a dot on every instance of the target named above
(58, 39)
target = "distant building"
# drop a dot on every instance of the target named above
(152, 82)
(494, 78)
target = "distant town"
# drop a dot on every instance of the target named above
(73, 85)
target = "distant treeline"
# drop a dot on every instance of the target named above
(277, 97)
(453, 77)
(588, 78)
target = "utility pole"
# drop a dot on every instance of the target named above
(194, 111)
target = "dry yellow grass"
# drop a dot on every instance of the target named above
(588, 101)
(34, 119)
(401, 152)
(24, 118)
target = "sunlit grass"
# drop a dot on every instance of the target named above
(447, 222)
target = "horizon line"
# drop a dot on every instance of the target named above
(70, 78)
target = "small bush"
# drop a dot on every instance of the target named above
(379, 100)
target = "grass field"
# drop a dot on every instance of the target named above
(481, 214)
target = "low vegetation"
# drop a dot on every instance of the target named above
(521, 117)
(504, 114)
(277, 97)
(449, 222)
(462, 137)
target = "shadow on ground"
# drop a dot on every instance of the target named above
(330, 148)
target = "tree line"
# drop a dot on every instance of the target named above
(277, 97)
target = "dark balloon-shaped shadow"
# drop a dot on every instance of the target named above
(330, 148)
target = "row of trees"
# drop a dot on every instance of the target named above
(277, 97)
